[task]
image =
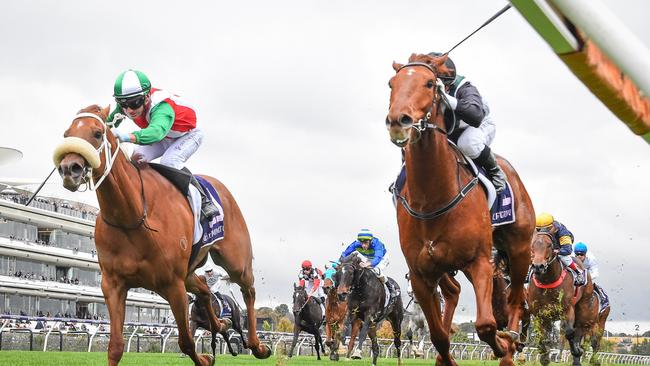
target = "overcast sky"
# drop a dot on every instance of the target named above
(292, 97)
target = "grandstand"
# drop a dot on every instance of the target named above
(48, 263)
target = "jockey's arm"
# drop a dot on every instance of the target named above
(111, 116)
(380, 251)
(470, 105)
(351, 248)
(593, 267)
(161, 121)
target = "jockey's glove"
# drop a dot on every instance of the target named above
(453, 102)
(122, 136)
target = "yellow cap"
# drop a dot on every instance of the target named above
(544, 219)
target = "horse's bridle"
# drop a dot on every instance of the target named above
(303, 305)
(109, 159)
(425, 123)
(421, 126)
(553, 256)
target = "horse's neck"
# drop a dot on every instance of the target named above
(120, 195)
(369, 280)
(431, 171)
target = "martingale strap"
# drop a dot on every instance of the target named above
(449, 206)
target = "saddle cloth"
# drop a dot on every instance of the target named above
(226, 311)
(502, 206)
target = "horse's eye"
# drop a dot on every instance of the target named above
(98, 135)
(430, 84)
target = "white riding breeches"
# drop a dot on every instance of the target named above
(474, 139)
(379, 268)
(172, 152)
(309, 287)
(566, 259)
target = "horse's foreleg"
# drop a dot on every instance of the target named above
(319, 343)
(395, 320)
(200, 288)
(519, 263)
(177, 298)
(296, 333)
(429, 301)
(568, 324)
(115, 296)
(260, 351)
(480, 274)
(356, 326)
(372, 332)
(450, 289)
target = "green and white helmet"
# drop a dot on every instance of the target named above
(131, 83)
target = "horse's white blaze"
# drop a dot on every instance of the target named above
(410, 72)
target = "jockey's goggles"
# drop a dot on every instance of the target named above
(581, 253)
(133, 103)
(364, 240)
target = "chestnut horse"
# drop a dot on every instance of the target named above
(144, 233)
(444, 220)
(552, 296)
(335, 312)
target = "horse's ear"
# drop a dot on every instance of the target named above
(397, 66)
(439, 63)
(294, 286)
(105, 112)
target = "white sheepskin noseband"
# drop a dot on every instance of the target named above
(79, 146)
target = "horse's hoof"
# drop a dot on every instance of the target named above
(225, 324)
(334, 357)
(210, 359)
(520, 346)
(262, 352)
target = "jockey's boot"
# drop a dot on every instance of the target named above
(391, 289)
(603, 299)
(208, 208)
(488, 160)
(578, 277)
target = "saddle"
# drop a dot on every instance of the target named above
(205, 233)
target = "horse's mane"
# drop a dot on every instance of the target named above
(96, 109)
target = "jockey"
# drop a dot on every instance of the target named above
(590, 264)
(374, 251)
(475, 127)
(310, 278)
(563, 243)
(330, 271)
(168, 126)
(215, 280)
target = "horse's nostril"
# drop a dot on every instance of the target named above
(76, 169)
(405, 120)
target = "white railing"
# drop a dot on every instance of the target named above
(304, 346)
